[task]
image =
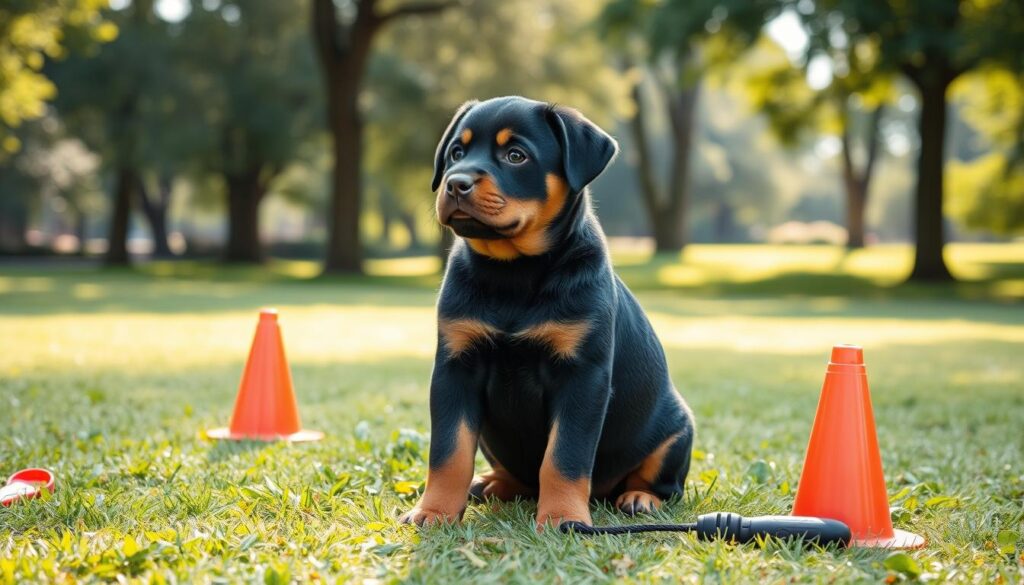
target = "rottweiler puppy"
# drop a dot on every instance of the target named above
(545, 360)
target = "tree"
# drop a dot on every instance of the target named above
(850, 107)
(32, 31)
(119, 117)
(665, 48)
(932, 43)
(253, 86)
(343, 43)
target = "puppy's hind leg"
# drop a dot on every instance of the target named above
(659, 477)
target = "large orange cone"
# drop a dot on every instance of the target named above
(842, 477)
(265, 409)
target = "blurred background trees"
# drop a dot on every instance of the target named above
(166, 128)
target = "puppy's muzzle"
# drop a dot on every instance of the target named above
(469, 208)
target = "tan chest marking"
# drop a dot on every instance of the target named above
(563, 338)
(459, 335)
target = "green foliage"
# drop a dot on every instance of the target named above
(990, 188)
(989, 193)
(252, 82)
(32, 31)
(141, 115)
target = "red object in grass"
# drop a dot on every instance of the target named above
(25, 485)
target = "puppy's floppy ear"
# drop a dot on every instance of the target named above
(442, 147)
(586, 149)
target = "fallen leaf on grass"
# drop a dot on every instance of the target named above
(901, 562)
(472, 557)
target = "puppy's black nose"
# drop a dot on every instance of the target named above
(459, 185)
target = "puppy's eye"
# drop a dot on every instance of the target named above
(515, 156)
(457, 153)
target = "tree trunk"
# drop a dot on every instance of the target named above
(117, 237)
(245, 192)
(79, 228)
(155, 210)
(929, 264)
(344, 247)
(682, 108)
(856, 183)
(666, 210)
(855, 205)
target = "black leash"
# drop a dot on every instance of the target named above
(736, 528)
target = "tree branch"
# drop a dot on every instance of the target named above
(645, 166)
(873, 143)
(416, 8)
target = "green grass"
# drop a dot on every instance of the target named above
(109, 378)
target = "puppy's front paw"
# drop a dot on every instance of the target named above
(555, 517)
(423, 516)
(637, 502)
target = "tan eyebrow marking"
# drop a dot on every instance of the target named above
(466, 136)
(563, 337)
(460, 334)
(503, 136)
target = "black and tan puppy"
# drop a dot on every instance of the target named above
(545, 361)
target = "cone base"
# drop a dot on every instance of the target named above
(225, 434)
(900, 540)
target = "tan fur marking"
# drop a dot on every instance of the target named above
(561, 499)
(503, 136)
(459, 335)
(651, 466)
(638, 482)
(445, 495)
(502, 485)
(466, 136)
(564, 338)
(488, 198)
(533, 216)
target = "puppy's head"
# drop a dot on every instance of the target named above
(506, 168)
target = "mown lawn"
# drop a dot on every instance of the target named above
(109, 378)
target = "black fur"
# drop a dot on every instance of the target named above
(614, 401)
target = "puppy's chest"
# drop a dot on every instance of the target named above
(513, 341)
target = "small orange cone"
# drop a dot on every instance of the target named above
(842, 476)
(265, 409)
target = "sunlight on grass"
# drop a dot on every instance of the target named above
(417, 266)
(786, 335)
(883, 265)
(313, 334)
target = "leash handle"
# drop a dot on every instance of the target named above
(736, 528)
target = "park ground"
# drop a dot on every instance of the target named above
(110, 377)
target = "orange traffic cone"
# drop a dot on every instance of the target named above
(265, 408)
(842, 477)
